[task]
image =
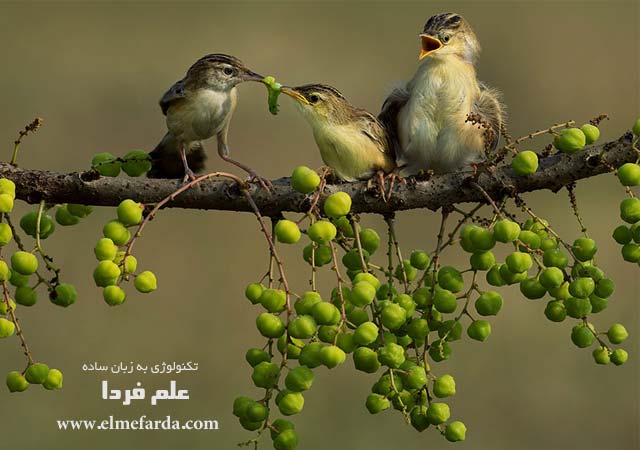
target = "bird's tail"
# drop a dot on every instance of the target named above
(167, 163)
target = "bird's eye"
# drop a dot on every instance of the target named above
(445, 38)
(313, 98)
(228, 71)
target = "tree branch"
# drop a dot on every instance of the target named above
(555, 172)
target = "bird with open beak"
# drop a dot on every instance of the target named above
(444, 119)
(352, 142)
(197, 108)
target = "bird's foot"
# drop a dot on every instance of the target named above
(393, 178)
(266, 184)
(189, 175)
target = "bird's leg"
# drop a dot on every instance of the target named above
(223, 151)
(188, 173)
(381, 191)
(393, 177)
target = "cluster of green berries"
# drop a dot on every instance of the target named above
(135, 163)
(36, 373)
(115, 264)
(628, 235)
(569, 140)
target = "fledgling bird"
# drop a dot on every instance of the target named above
(352, 142)
(444, 119)
(199, 107)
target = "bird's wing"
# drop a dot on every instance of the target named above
(490, 109)
(173, 95)
(389, 116)
(373, 129)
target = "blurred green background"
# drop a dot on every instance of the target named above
(95, 73)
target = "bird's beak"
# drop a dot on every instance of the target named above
(251, 76)
(429, 46)
(295, 95)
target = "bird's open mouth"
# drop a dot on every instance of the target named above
(429, 45)
(295, 95)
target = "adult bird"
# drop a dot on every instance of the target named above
(198, 107)
(443, 119)
(352, 142)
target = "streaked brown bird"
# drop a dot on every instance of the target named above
(444, 119)
(197, 108)
(352, 142)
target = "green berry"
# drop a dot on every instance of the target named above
(322, 232)
(7, 187)
(494, 278)
(325, 313)
(582, 287)
(255, 356)
(366, 360)
(391, 355)
(6, 328)
(29, 223)
(577, 307)
(240, 406)
(273, 300)
(310, 355)
(106, 164)
(16, 382)
(105, 250)
(630, 210)
(555, 258)
(582, 336)
(450, 278)
(113, 295)
(511, 277)
(64, 294)
(64, 217)
(370, 240)
(117, 232)
(629, 174)
(37, 373)
(367, 277)
(136, 163)
(287, 232)
(584, 249)
(337, 205)
(418, 329)
(617, 334)
(506, 230)
(444, 386)
(479, 330)
(376, 403)
(53, 381)
(519, 262)
(482, 238)
(601, 355)
(302, 327)
(304, 180)
(80, 211)
(250, 426)
(145, 282)
(5, 272)
(253, 292)
(532, 289)
(418, 417)
(551, 277)
(5, 234)
(619, 356)
(570, 140)
(130, 212)
(106, 273)
(419, 259)
(270, 325)
(636, 127)
(415, 378)
(444, 301)
(4, 309)
(631, 253)
(305, 303)
(299, 379)
(455, 431)
(332, 356)
(393, 316)
(286, 440)
(24, 263)
(352, 259)
(604, 288)
(555, 311)
(366, 333)
(6, 203)
(279, 426)
(321, 255)
(362, 293)
(525, 163)
(438, 413)
(26, 296)
(591, 133)
(482, 260)
(489, 303)
(265, 374)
